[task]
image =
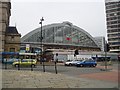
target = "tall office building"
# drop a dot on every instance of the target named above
(113, 24)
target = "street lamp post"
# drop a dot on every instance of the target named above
(105, 56)
(41, 45)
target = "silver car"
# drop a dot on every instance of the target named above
(71, 62)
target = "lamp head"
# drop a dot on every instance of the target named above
(42, 19)
(40, 22)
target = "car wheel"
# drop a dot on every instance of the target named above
(16, 65)
(94, 65)
(33, 65)
(81, 65)
(65, 64)
(78, 65)
(90, 65)
(70, 64)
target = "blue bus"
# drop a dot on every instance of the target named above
(8, 57)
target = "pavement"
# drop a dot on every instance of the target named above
(38, 79)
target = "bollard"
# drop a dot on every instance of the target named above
(31, 68)
(56, 62)
(19, 65)
(43, 66)
(55, 67)
(31, 65)
(40, 61)
(6, 64)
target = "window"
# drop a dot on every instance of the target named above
(24, 61)
(12, 38)
(12, 49)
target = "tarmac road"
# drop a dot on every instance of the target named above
(67, 70)
(67, 77)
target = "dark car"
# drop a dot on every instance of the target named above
(89, 62)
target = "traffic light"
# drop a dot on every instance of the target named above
(76, 52)
(107, 47)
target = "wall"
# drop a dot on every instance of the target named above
(5, 7)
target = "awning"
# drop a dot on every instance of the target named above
(9, 53)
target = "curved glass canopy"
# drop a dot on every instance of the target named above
(61, 33)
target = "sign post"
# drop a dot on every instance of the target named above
(27, 47)
(56, 63)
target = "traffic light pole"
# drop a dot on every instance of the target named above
(107, 48)
(105, 60)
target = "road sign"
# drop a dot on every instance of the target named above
(27, 47)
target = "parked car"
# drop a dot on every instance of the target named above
(25, 63)
(89, 62)
(71, 62)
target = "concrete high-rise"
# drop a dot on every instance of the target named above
(113, 24)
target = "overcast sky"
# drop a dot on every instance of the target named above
(86, 14)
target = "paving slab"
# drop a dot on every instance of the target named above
(110, 76)
(35, 79)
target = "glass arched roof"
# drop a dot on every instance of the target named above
(61, 33)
